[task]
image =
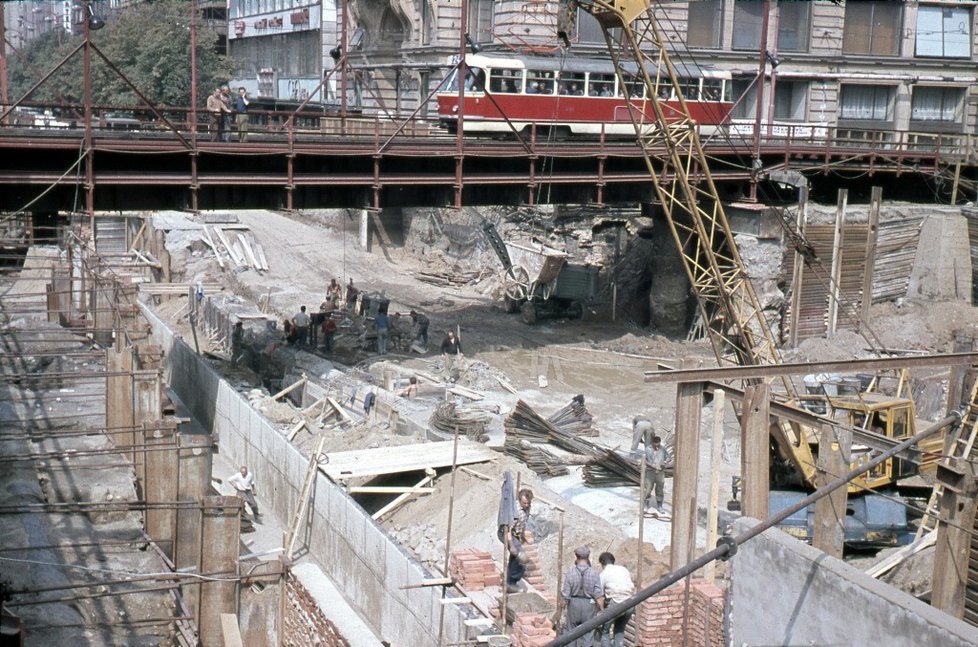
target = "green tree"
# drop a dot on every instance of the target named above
(149, 44)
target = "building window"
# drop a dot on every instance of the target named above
(748, 18)
(703, 24)
(428, 22)
(944, 32)
(480, 21)
(872, 28)
(866, 102)
(790, 100)
(794, 26)
(745, 98)
(936, 104)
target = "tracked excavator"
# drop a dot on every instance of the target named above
(689, 203)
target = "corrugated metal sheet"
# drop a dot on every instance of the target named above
(110, 235)
(896, 247)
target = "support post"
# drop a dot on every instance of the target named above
(963, 343)
(104, 286)
(798, 271)
(162, 474)
(194, 474)
(954, 530)
(834, 287)
(118, 396)
(830, 511)
(872, 241)
(689, 401)
(147, 401)
(719, 398)
(365, 230)
(220, 535)
(755, 459)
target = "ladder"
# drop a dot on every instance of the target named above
(962, 445)
(315, 460)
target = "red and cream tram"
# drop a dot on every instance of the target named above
(568, 96)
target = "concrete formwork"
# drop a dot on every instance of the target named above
(784, 592)
(365, 563)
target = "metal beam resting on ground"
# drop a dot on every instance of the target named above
(194, 468)
(954, 535)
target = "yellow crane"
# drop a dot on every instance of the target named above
(690, 203)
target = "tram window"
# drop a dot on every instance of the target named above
(451, 83)
(539, 82)
(712, 90)
(475, 79)
(634, 89)
(601, 85)
(572, 83)
(504, 81)
(690, 89)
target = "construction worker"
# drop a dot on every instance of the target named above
(655, 474)
(243, 483)
(582, 593)
(641, 432)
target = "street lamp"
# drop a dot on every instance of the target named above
(95, 22)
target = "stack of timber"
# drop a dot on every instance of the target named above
(526, 424)
(536, 457)
(448, 280)
(972, 217)
(618, 469)
(472, 422)
(574, 418)
(239, 246)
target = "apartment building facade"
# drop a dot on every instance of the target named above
(867, 66)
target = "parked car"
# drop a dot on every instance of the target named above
(38, 118)
(872, 521)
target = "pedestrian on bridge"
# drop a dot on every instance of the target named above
(241, 114)
(216, 110)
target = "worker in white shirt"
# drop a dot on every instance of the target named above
(618, 587)
(244, 484)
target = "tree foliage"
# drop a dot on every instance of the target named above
(149, 44)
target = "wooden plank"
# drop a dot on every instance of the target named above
(835, 286)
(466, 393)
(224, 241)
(872, 241)
(403, 458)
(210, 242)
(289, 389)
(385, 489)
(396, 503)
(339, 409)
(261, 255)
(230, 632)
(506, 385)
(299, 425)
(249, 253)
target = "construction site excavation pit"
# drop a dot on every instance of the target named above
(379, 496)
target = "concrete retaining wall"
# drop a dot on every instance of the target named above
(352, 549)
(784, 592)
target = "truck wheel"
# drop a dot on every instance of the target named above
(528, 313)
(575, 310)
(512, 305)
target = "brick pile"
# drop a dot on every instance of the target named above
(659, 620)
(473, 569)
(532, 630)
(305, 623)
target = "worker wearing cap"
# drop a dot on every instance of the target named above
(582, 593)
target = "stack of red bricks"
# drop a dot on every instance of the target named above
(532, 630)
(534, 574)
(660, 619)
(473, 569)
